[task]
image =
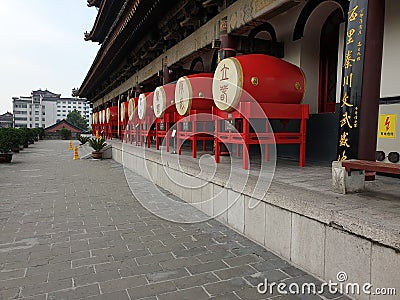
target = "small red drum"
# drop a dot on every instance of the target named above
(112, 114)
(194, 92)
(124, 111)
(266, 78)
(132, 104)
(164, 100)
(145, 105)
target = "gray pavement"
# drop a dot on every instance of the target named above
(72, 229)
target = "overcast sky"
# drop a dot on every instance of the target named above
(42, 46)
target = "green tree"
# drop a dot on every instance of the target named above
(75, 118)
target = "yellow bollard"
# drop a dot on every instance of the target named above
(76, 155)
(70, 145)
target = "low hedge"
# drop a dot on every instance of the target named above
(13, 138)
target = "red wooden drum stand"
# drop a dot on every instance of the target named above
(146, 129)
(258, 86)
(165, 113)
(103, 125)
(196, 122)
(112, 122)
(163, 126)
(193, 100)
(123, 122)
(244, 138)
(132, 120)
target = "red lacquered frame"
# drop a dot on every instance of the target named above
(195, 118)
(112, 125)
(274, 111)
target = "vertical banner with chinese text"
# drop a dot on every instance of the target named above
(352, 81)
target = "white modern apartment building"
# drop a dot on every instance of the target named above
(66, 105)
(44, 108)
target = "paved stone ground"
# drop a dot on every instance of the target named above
(72, 229)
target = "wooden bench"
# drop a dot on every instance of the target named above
(349, 176)
(371, 166)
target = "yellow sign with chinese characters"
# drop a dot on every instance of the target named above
(387, 126)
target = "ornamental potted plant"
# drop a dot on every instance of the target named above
(26, 137)
(42, 133)
(97, 145)
(17, 139)
(83, 139)
(35, 135)
(23, 138)
(6, 143)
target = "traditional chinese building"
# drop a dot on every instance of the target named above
(53, 131)
(347, 50)
(6, 120)
(146, 43)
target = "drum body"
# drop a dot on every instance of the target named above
(124, 112)
(194, 92)
(112, 114)
(259, 77)
(132, 105)
(145, 105)
(164, 100)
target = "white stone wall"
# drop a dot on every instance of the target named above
(390, 86)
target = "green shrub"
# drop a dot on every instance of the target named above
(16, 137)
(23, 136)
(12, 138)
(27, 136)
(30, 135)
(41, 133)
(65, 133)
(6, 140)
(35, 133)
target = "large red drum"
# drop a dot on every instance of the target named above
(132, 104)
(145, 105)
(124, 112)
(164, 100)
(266, 79)
(111, 114)
(194, 92)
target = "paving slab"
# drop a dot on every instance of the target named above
(72, 229)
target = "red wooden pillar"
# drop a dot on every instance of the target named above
(228, 49)
(245, 152)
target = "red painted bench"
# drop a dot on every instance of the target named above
(371, 166)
